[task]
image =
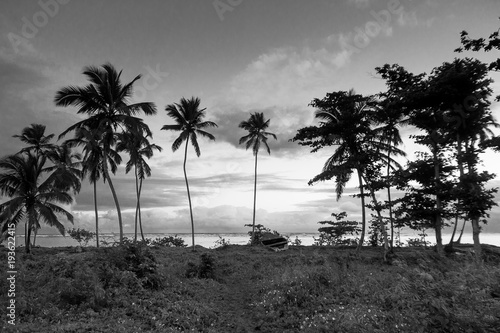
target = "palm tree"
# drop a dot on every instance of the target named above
(105, 101)
(256, 126)
(189, 121)
(34, 136)
(346, 121)
(32, 199)
(389, 116)
(93, 161)
(138, 147)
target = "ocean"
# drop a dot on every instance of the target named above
(209, 240)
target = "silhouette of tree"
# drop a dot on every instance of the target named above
(189, 121)
(105, 101)
(138, 148)
(256, 125)
(31, 198)
(346, 121)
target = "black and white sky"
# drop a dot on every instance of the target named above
(237, 56)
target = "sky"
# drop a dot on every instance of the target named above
(238, 57)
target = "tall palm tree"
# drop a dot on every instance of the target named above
(105, 102)
(256, 126)
(93, 161)
(189, 121)
(138, 147)
(389, 116)
(32, 198)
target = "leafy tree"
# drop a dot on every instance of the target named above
(188, 118)
(256, 126)
(346, 121)
(105, 102)
(32, 198)
(138, 147)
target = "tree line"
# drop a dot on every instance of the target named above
(450, 107)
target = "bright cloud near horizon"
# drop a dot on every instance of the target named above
(238, 57)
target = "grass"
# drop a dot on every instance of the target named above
(246, 289)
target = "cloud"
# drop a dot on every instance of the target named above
(360, 3)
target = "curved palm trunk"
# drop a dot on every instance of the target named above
(139, 210)
(96, 215)
(115, 198)
(35, 231)
(189, 195)
(454, 230)
(137, 205)
(363, 212)
(254, 200)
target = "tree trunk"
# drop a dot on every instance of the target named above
(137, 204)
(139, 210)
(189, 195)
(380, 220)
(461, 232)
(363, 212)
(27, 234)
(254, 200)
(115, 198)
(439, 239)
(454, 230)
(96, 215)
(476, 229)
(390, 200)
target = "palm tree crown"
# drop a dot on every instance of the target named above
(189, 121)
(256, 125)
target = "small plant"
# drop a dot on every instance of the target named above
(170, 241)
(81, 235)
(221, 243)
(336, 233)
(204, 270)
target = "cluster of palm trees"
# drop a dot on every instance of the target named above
(112, 126)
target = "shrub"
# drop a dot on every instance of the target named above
(221, 243)
(81, 235)
(204, 270)
(336, 233)
(170, 241)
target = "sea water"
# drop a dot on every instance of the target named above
(212, 240)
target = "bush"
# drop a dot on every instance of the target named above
(204, 270)
(170, 241)
(81, 235)
(336, 233)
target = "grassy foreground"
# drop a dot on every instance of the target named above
(246, 289)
